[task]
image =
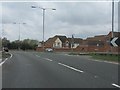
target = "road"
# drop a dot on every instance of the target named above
(57, 70)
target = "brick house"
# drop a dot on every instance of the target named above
(57, 42)
(60, 43)
(99, 43)
(76, 42)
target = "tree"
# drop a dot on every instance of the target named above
(28, 44)
(5, 42)
(0, 44)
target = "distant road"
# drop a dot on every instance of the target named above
(56, 70)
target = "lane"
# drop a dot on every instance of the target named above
(103, 70)
(26, 70)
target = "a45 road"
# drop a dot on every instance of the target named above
(57, 70)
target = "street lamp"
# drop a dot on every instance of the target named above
(43, 9)
(19, 32)
(112, 18)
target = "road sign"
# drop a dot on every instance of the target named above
(115, 41)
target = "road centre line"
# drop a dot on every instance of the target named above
(48, 59)
(70, 67)
(116, 85)
(37, 55)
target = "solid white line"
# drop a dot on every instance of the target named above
(71, 67)
(5, 60)
(48, 59)
(116, 85)
(104, 61)
(11, 55)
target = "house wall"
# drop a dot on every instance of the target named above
(57, 43)
(75, 45)
(39, 45)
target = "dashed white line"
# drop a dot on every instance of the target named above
(45, 58)
(37, 55)
(70, 67)
(116, 85)
(48, 59)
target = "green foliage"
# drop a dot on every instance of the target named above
(5, 42)
(26, 44)
(108, 57)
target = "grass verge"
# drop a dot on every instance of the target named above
(105, 57)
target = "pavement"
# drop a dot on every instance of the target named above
(57, 70)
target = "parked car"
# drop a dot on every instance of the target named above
(49, 49)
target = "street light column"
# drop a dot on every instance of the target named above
(112, 18)
(19, 32)
(43, 9)
(43, 27)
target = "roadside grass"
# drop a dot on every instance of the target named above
(105, 57)
(76, 53)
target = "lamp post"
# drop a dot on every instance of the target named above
(72, 42)
(43, 9)
(112, 36)
(112, 18)
(19, 32)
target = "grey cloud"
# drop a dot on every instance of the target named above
(82, 19)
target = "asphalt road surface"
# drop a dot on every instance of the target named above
(57, 70)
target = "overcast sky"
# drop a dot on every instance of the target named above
(83, 19)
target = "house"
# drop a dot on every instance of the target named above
(57, 41)
(100, 43)
(75, 41)
(40, 44)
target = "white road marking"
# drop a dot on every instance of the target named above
(70, 67)
(48, 59)
(104, 61)
(11, 55)
(37, 55)
(5, 60)
(116, 85)
(45, 58)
